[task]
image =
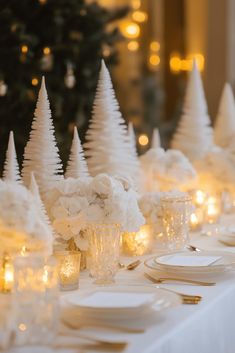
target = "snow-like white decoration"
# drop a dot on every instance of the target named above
(74, 203)
(41, 154)
(150, 207)
(131, 134)
(224, 130)
(194, 135)
(20, 222)
(166, 170)
(11, 167)
(156, 140)
(77, 166)
(108, 147)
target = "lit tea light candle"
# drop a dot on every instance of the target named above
(68, 269)
(212, 210)
(196, 220)
(137, 243)
(199, 198)
(7, 275)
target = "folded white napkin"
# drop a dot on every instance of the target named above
(184, 260)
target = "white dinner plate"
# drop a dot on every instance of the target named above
(160, 299)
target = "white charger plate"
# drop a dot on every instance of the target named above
(162, 300)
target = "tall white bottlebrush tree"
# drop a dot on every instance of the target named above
(156, 140)
(194, 135)
(77, 166)
(41, 154)
(224, 129)
(11, 167)
(108, 146)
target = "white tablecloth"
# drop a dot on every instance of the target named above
(208, 327)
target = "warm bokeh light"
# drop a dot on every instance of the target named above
(46, 51)
(154, 46)
(135, 4)
(130, 29)
(24, 49)
(139, 16)
(34, 81)
(133, 45)
(154, 60)
(143, 140)
(42, 2)
(177, 64)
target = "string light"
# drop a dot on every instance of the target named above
(133, 45)
(154, 46)
(177, 64)
(24, 49)
(42, 2)
(3, 88)
(34, 81)
(143, 140)
(154, 60)
(140, 16)
(135, 4)
(130, 29)
(46, 51)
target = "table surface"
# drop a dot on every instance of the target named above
(206, 327)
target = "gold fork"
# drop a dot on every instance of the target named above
(186, 298)
(184, 280)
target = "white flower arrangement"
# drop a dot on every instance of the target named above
(166, 170)
(21, 223)
(74, 203)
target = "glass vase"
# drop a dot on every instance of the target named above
(176, 211)
(104, 244)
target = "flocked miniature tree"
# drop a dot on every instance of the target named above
(156, 140)
(224, 128)
(194, 136)
(11, 167)
(77, 166)
(33, 188)
(108, 146)
(41, 154)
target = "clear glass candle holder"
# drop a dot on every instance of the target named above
(176, 211)
(35, 304)
(68, 269)
(104, 244)
(138, 243)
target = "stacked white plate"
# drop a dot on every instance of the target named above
(119, 302)
(201, 263)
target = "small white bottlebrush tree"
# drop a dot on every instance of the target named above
(41, 154)
(108, 147)
(77, 166)
(224, 129)
(194, 136)
(11, 167)
(156, 140)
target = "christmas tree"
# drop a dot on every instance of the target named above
(224, 129)
(11, 167)
(63, 40)
(193, 136)
(108, 146)
(77, 166)
(41, 153)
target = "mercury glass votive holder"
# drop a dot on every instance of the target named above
(176, 211)
(35, 303)
(138, 243)
(68, 269)
(104, 244)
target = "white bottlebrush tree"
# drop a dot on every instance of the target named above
(194, 135)
(224, 129)
(11, 167)
(156, 140)
(77, 166)
(33, 188)
(108, 147)
(41, 154)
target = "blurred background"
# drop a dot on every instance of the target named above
(148, 45)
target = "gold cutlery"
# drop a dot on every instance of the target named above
(130, 266)
(100, 346)
(122, 329)
(186, 298)
(227, 243)
(193, 248)
(184, 280)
